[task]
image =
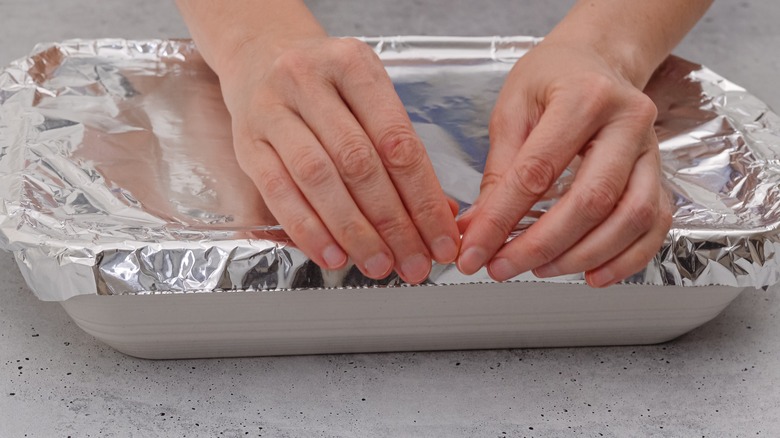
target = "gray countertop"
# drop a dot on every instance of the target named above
(720, 380)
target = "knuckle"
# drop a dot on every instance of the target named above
(355, 160)
(352, 231)
(351, 46)
(600, 84)
(310, 167)
(272, 184)
(489, 179)
(597, 102)
(532, 178)
(353, 55)
(291, 62)
(301, 226)
(595, 94)
(499, 222)
(296, 70)
(393, 226)
(643, 107)
(423, 210)
(401, 150)
(541, 250)
(598, 200)
(642, 216)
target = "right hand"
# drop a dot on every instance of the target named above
(319, 129)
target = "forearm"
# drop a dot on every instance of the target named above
(224, 29)
(633, 36)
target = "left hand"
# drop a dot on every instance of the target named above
(560, 101)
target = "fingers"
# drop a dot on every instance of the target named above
(364, 175)
(288, 205)
(638, 255)
(638, 213)
(340, 130)
(319, 181)
(370, 95)
(597, 188)
(550, 147)
(350, 161)
(552, 108)
(513, 117)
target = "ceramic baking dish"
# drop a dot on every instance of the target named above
(123, 201)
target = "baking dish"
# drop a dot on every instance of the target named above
(123, 202)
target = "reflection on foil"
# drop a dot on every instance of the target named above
(117, 173)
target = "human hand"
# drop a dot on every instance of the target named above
(559, 101)
(319, 129)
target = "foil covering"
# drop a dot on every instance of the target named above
(117, 174)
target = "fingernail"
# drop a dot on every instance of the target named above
(416, 268)
(472, 260)
(378, 266)
(334, 257)
(548, 270)
(502, 269)
(444, 249)
(600, 278)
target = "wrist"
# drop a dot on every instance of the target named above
(622, 56)
(234, 33)
(633, 37)
(258, 51)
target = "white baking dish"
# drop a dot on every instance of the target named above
(507, 315)
(123, 201)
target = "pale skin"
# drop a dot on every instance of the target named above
(319, 129)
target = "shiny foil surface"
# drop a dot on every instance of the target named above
(117, 174)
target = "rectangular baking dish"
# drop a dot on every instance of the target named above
(123, 202)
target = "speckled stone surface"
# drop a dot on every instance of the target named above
(722, 379)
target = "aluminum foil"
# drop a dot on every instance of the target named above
(117, 173)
